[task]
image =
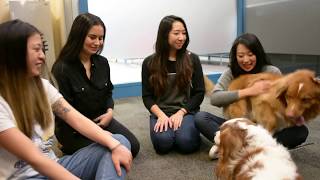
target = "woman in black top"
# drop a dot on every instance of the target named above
(83, 77)
(173, 89)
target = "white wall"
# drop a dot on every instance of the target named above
(132, 25)
(285, 26)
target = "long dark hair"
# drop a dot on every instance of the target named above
(24, 94)
(158, 64)
(252, 42)
(79, 30)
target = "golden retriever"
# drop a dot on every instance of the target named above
(247, 151)
(208, 84)
(292, 100)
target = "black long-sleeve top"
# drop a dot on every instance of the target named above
(91, 97)
(193, 95)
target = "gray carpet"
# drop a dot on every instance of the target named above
(173, 166)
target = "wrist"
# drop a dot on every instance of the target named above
(184, 112)
(243, 93)
(115, 147)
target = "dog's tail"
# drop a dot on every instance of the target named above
(208, 84)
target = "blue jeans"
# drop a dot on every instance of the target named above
(185, 140)
(208, 124)
(92, 162)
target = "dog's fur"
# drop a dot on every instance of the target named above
(208, 84)
(292, 100)
(247, 151)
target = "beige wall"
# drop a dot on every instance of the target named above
(58, 24)
(47, 15)
(62, 14)
(4, 11)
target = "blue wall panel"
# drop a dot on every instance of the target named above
(134, 89)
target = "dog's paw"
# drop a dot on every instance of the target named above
(213, 153)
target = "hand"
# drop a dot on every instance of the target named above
(121, 156)
(260, 87)
(104, 119)
(162, 124)
(176, 119)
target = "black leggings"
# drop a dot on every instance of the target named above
(292, 136)
(117, 128)
(208, 124)
(72, 141)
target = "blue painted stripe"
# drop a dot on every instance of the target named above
(134, 89)
(127, 90)
(241, 15)
(214, 77)
(83, 6)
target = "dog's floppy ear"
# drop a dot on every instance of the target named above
(280, 87)
(316, 80)
(231, 140)
(230, 144)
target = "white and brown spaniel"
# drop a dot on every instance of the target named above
(247, 151)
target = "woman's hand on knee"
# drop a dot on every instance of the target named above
(162, 124)
(121, 156)
(176, 119)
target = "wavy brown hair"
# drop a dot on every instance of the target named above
(158, 64)
(24, 94)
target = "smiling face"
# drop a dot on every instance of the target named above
(245, 58)
(177, 36)
(35, 55)
(94, 40)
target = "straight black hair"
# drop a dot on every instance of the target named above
(252, 42)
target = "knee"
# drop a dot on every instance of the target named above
(292, 137)
(200, 118)
(188, 144)
(135, 148)
(200, 115)
(301, 134)
(188, 147)
(304, 132)
(162, 143)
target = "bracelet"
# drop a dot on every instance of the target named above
(115, 147)
(184, 111)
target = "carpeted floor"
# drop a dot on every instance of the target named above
(173, 166)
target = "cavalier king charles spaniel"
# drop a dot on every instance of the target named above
(248, 151)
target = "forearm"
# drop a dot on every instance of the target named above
(147, 90)
(110, 103)
(15, 142)
(194, 102)
(83, 125)
(223, 98)
(198, 88)
(157, 111)
(51, 168)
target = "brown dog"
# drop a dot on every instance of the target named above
(292, 100)
(208, 84)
